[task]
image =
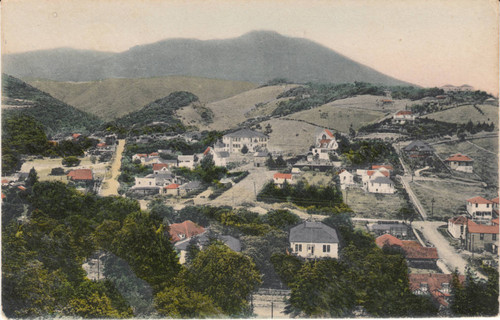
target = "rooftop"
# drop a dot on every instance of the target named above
(246, 133)
(482, 228)
(80, 174)
(313, 232)
(184, 230)
(287, 176)
(458, 220)
(479, 200)
(459, 157)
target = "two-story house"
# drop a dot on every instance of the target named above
(481, 237)
(253, 140)
(325, 144)
(346, 179)
(418, 150)
(312, 240)
(480, 209)
(457, 227)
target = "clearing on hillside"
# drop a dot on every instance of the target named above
(463, 114)
(231, 111)
(113, 98)
(483, 151)
(290, 136)
(371, 205)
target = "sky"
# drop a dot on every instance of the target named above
(428, 43)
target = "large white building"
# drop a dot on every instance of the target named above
(314, 240)
(480, 209)
(253, 140)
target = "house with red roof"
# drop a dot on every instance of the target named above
(480, 209)
(171, 189)
(383, 167)
(481, 237)
(457, 227)
(75, 136)
(377, 181)
(279, 179)
(435, 285)
(416, 255)
(325, 145)
(403, 116)
(460, 162)
(160, 168)
(84, 175)
(184, 230)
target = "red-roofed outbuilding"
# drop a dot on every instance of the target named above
(184, 230)
(80, 175)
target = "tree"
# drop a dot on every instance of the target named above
(352, 132)
(407, 214)
(281, 219)
(268, 129)
(32, 178)
(227, 277)
(70, 161)
(179, 301)
(244, 150)
(57, 171)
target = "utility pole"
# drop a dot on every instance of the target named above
(432, 207)
(272, 309)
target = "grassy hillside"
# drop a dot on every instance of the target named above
(463, 114)
(159, 113)
(229, 112)
(19, 98)
(113, 98)
(483, 151)
(290, 136)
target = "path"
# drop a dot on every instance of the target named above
(413, 197)
(479, 147)
(417, 172)
(111, 184)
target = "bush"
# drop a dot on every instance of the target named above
(57, 171)
(70, 161)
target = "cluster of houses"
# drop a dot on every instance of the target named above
(478, 229)
(374, 180)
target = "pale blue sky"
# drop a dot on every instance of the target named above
(429, 43)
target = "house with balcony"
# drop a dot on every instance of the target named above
(480, 209)
(312, 240)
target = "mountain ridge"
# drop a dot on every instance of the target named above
(257, 56)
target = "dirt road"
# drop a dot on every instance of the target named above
(110, 185)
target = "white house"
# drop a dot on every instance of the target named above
(457, 227)
(381, 185)
(369, 175)
(325, 143)
(219, 157)
(314, 240)
(346, 179)
(460, 162)
(147, 159)
(186, 161)
(280, 178)
(253, 140)
(480, 209)
(403, 116)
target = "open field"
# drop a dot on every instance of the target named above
(370, 205)
(338, 118)
(231, 111)
(265, 109)
(448, 197)
(369, 102)
(485, 163)
(289, 136)
(112, 98)
(44, 166)
(463, 114)
(317, 178)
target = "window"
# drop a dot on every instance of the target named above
(481, 236)
(310, 248)
(326, 248)
(494, 237)
(476, 205)
(298, 248)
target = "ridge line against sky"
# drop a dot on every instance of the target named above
(429, 43)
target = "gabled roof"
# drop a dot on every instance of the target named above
(80, 174)
(479, 200)
(141, 155)
(207, 151)
(22, 188)
(222, 154)
(203, 239)
(329, 133)
(388, 240)
(287, 176)
(495, 221)
(458, 220)
(482, 228)
(495, 200)
(434, 283)
(418, 145)
(313, 232)
(154, 154)
(159, 166)
(382, 180)
(184, 230)
(102, 144)
(172, 186)
(459, 157)
(372, 172)
(245, 133)
(384, 166)
(403, 113)
(185, 157)
(344, 171)
(75, 135)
